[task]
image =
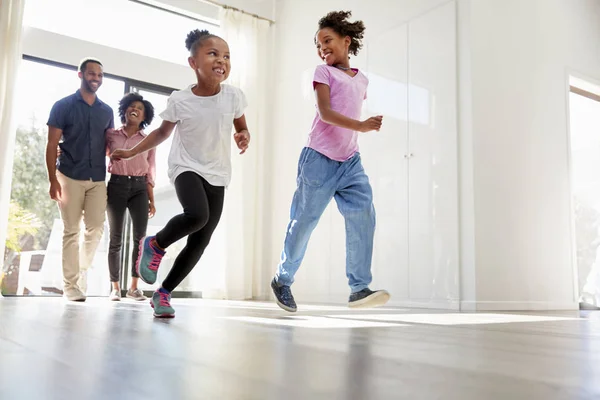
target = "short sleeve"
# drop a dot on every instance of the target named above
(111, 123)
(241, 104)
(57, 115)
(111, 143)
(322, 75)
(170, 113)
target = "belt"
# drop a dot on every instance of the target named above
(127, 178)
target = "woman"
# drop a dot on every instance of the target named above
(130, 188)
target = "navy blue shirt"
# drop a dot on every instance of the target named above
(83, 145)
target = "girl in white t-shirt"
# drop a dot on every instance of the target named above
(199, 162)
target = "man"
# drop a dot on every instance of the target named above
(77, 180)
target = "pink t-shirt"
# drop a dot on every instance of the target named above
(141, 165)
(347, 94)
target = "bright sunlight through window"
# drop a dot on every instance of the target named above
(120, 24)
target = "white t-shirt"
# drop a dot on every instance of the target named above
(202, 137)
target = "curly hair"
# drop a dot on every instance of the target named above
(338, 21)
(129, 99)
(196, 37)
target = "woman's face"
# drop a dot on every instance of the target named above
(135, 115)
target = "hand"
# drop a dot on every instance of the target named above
(121, 154)
(151, 210)
(55, 190)
(242, 139)
(371, 124)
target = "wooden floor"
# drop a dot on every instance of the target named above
(51, 349)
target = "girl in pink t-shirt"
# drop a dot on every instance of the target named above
(330, 166)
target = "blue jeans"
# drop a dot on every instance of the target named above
(319, 180)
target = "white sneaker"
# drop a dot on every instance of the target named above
(82, 282)
(136, 295)
(115, 295)
(74, 294)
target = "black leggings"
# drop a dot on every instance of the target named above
(202, 207)
(125, 193)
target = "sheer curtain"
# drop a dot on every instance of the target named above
(249, 42)
(11, 23)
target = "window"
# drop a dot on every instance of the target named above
(584, 117)
(32, 263)
(120, 24)
(33, 259)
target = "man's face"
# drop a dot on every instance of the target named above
(91, 78)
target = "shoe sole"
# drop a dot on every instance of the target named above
(284, 307)
(137, 263)
(76, 299)
(377, 299)
(115, 299)
(164, 316)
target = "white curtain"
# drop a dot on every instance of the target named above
(249, 40)
(11, 23)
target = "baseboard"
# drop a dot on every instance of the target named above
(425, 304)
(518, 306)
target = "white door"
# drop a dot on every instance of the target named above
(433, 183)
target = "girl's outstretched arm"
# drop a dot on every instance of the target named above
(155, 138)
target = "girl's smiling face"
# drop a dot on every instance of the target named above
(212, 60)
(332, 47)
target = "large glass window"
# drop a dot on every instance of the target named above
(585, 183)
(120, 24)
(32, 260)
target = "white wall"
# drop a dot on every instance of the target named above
(431, 278)
(515, 216)
(514, 57)
(68, 50)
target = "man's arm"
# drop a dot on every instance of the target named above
(54, 135)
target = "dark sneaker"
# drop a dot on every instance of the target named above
(283, 296)
(367, 298)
